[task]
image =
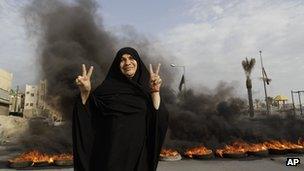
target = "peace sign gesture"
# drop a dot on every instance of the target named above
(84, 81)
(155, 80)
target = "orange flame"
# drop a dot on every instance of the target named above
(301, 142)
(256, 147)
(169, 153)
(282, 145)
(236, 147)
(36, 156)
(63, 156)
(199, 151)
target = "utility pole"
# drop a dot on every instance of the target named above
(299, 95)
(293, 105)
(300, 101)
(16, 99)
(184, 74)
(264, 82)
(184, 69)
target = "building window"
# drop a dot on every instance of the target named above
(27, 92)
(31, 104)
(26, 104)
(32, 94)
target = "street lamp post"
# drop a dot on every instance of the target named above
(264, 83)
(16, 99)
(184, 72)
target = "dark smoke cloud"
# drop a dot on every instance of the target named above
(205, 118)
(217, 118)
(46, 138)
(71, 34)
(69, 37)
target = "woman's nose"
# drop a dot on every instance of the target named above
(128, 62)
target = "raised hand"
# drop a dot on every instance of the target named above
(155, 80)
(84, 81)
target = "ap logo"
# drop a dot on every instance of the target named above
(292, 161)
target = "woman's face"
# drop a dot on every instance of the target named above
(128, 65)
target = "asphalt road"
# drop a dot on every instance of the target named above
(273, 163)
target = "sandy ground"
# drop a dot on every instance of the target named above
(272, 163)
(11, 127)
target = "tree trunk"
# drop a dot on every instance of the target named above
(249, 90)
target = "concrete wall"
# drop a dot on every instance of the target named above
(34, 101)
(5, 80)
(5, 88)
(42, 94)
(4, 110)
(31, 97)
(17, 103)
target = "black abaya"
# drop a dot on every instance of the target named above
(118, 129)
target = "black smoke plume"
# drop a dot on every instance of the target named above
(218, 118)
(71, 34)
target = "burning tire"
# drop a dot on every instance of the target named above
(234, 155)
(296, 150)
(278, 151)
(199, 152)
(169, 155)
(63, 162)
(19, 164)
(36, 158)
(281, 147)
(41, 164)
(262, 153)
(171, 158)
(204, 156)
(237, 149)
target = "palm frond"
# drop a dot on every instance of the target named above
(248, 65)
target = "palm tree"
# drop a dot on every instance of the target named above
(248, 66)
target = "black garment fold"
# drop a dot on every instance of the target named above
(118, 129)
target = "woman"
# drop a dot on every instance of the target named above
(122, 124)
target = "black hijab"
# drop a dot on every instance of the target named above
(117, 95)
(121, 94)
(141, 76)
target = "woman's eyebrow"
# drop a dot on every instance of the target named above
(130, 57)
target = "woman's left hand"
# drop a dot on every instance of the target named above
(155, 80)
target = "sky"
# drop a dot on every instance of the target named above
(209, 37)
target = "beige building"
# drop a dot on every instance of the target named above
(31, 97)
(41, 95)
(34, 101)
(30, 101)
(5, 88)
(16, 102)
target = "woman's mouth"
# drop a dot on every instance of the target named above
(129, 68)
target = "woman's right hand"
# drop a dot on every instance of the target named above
(84, 83)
